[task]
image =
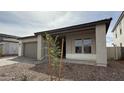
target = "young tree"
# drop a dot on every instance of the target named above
(55, 54)
(0, 51)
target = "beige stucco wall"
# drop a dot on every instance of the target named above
(90, 57)
(20, 49)
(70, 45)
(40, 47)
(11, 39)
(120, 37)
(26, 40)
(101, 50)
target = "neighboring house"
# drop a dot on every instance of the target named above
(118, 37)
(118, 32)
(8, 45)
(82, 42)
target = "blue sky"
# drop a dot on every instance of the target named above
(27, 23)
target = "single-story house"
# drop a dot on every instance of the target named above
(8, 45)
(81, 42)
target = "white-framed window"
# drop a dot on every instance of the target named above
(84, 45)
(115, 35)
(120, 28)
(120, 31)
(78, 46)
(87, 43)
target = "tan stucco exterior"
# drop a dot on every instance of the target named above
(26, 40)
(11, 40)
(70, 45)
(101, 50)
(98, 48)
(40, 47)
(95, 31)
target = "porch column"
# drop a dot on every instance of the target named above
(101, 50)
(20, 49)
(39, 47)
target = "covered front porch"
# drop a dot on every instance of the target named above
(83, 43)
(86, 45)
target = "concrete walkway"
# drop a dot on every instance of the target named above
(14, 59)
(7, 61)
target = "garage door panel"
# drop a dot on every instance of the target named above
(30, 50)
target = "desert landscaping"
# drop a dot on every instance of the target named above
(72, 72)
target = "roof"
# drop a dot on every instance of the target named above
(118, 21)
(8, 36)
(26, 37)
(65, 29)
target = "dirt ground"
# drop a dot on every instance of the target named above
(72, 72)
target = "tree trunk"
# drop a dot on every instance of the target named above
(49, 63)
(61, 60)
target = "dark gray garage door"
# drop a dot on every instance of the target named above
(30, 50)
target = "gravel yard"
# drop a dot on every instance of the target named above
(77, 72)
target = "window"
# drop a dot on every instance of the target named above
(120, 28)
(120, 31)
(87, 45)
(78, 46)
(116, 35)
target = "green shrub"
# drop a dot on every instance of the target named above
(54, 54)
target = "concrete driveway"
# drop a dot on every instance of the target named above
(14, 59)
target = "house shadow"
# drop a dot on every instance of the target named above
(71, 72)
(43, 68)
(40, 68)
(24, 60)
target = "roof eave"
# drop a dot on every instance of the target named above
(118, 21)
(106, 21)
(26, 37)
